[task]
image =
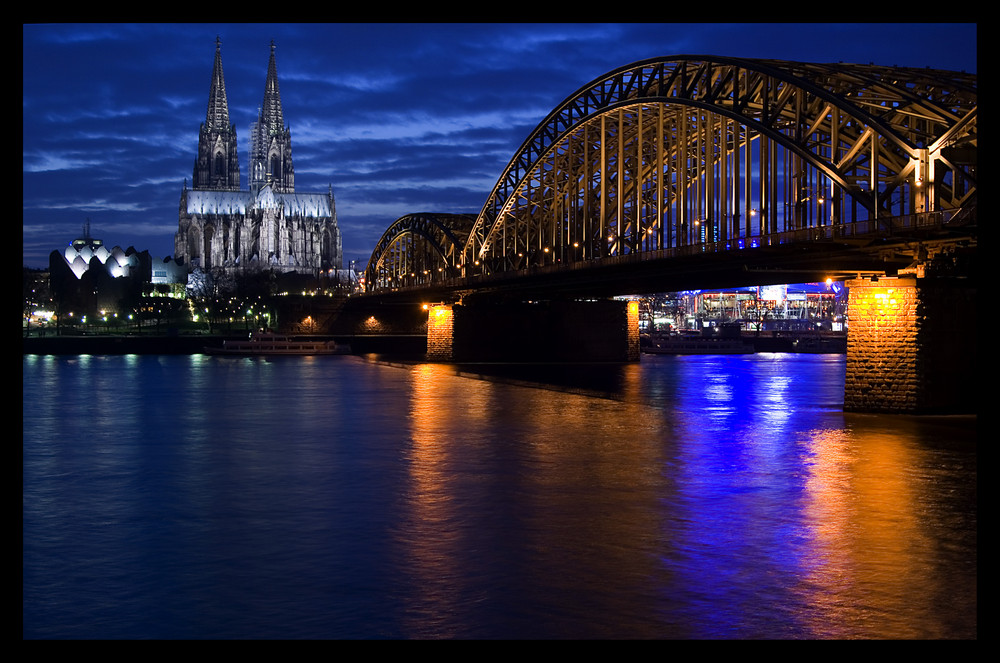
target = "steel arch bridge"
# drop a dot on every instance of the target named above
(697, 153)
(419, 248)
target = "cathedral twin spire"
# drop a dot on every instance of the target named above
(217, 117)
(270, 226)
(270, 113)
(217, 165)
(271, 141)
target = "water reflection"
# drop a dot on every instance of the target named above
(430, 536)
(689, 497)
(873, 546)
(537, 496)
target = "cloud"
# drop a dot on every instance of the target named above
(397, 118)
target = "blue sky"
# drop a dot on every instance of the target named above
(398, 118)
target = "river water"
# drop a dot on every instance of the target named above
(700, 497)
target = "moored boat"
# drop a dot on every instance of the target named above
(266, 343)
(821, 345)
(698, 345)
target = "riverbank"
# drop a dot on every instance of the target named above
(187, 344)
(183, 344)
(121, 344)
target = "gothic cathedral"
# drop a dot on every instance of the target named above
(269, 226)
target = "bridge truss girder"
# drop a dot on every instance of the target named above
(667, 153)
(417, 249)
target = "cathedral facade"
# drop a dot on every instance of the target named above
(268, 225)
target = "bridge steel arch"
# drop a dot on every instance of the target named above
(693, 153)
(418, 249)
(669, 153)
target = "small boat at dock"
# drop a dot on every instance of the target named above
(821, 344)
(269, 344)
(698, 345)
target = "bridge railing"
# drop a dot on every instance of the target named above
(866, 229)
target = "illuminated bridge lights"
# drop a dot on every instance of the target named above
(672, 156)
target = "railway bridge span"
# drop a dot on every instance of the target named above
(699, 172)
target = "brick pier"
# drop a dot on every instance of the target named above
(911, 346)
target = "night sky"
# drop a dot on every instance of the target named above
(398, 118)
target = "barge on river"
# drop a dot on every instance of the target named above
(266, 343)
(685, 344)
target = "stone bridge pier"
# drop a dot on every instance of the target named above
(911, 346)
(548, 331)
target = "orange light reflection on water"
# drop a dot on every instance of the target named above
(869, 546)
(557, 447)
(728, 515)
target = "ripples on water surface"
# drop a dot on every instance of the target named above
(334, 497)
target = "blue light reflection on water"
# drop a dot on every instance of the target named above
(329, 497)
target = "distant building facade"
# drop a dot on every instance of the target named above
(266, 226)
(87, 253)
